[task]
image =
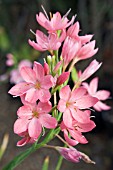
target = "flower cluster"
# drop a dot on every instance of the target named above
(70, 111)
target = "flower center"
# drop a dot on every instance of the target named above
(68, 104)
(37, 85)
(35, 114)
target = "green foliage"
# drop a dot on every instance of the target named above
(74, 75)
(46, 164)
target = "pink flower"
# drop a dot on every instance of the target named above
(73, 31)
(101, 94)
(10, 60)
(86, 51)
(62, 78)
(56, 68)
(36, 85)
(91, 69)
(33, 117)
(69, 50)
(70, 154)
(15, 76)
(46, 68)
(80, 123)
(25, 139)
(55, 23)
(71, 101)
(52, 42)
(72, 136)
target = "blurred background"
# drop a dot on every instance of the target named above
(17, 17)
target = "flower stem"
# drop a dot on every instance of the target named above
(59, 137)
(59, 163)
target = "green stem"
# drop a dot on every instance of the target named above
(21, 157)
(59, 163)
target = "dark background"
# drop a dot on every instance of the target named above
(17, 17)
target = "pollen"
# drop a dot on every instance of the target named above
(35, 114)
(37, 85)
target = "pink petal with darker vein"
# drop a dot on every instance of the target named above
(48, 121)
(39, 70)
(20, 89)
(67, 118)
(31, 95)
(86, 102)
(28, 74)
(34, 128)
(65, 93)
(44, 95)
(20, 125)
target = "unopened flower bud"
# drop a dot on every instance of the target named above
(70, 154)
(62, 78)
(46, 68)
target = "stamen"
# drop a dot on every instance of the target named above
(67, 13)
(91, 109)
(43, 131)
(92, 116)
(45, 12)
(32, 32)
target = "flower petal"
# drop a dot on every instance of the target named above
(78, 136)
(39, 70)
(65, 93)
(67, 118)
(34, 128)
(102, 94)
(28, 74)
(99, 106)
(20, 89)
(86, 102)
(93, 86)
(20, 125)
(23, 141)
(44, 107)
(44, 95)
(47, 82)
(31, 95)
(77, 94)
(48, 121)
(70, 141)
(24, 112)
(61, 105)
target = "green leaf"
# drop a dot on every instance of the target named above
(18, 159)
(46, 163)
(74, 75)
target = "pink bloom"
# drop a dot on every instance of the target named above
(25, 139)
(55, 23)
(101, 94)
(80, 123)
(10, 60)
(15, 76)
(36, 85)
(91, 69)
(43, 43)
(33, 117)
(46, 68)
(73, 31)
(72, 136)
(56, 68)
(70, 154)
(62, 78)
(71, 101)
(69, 50)
(86, 51)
